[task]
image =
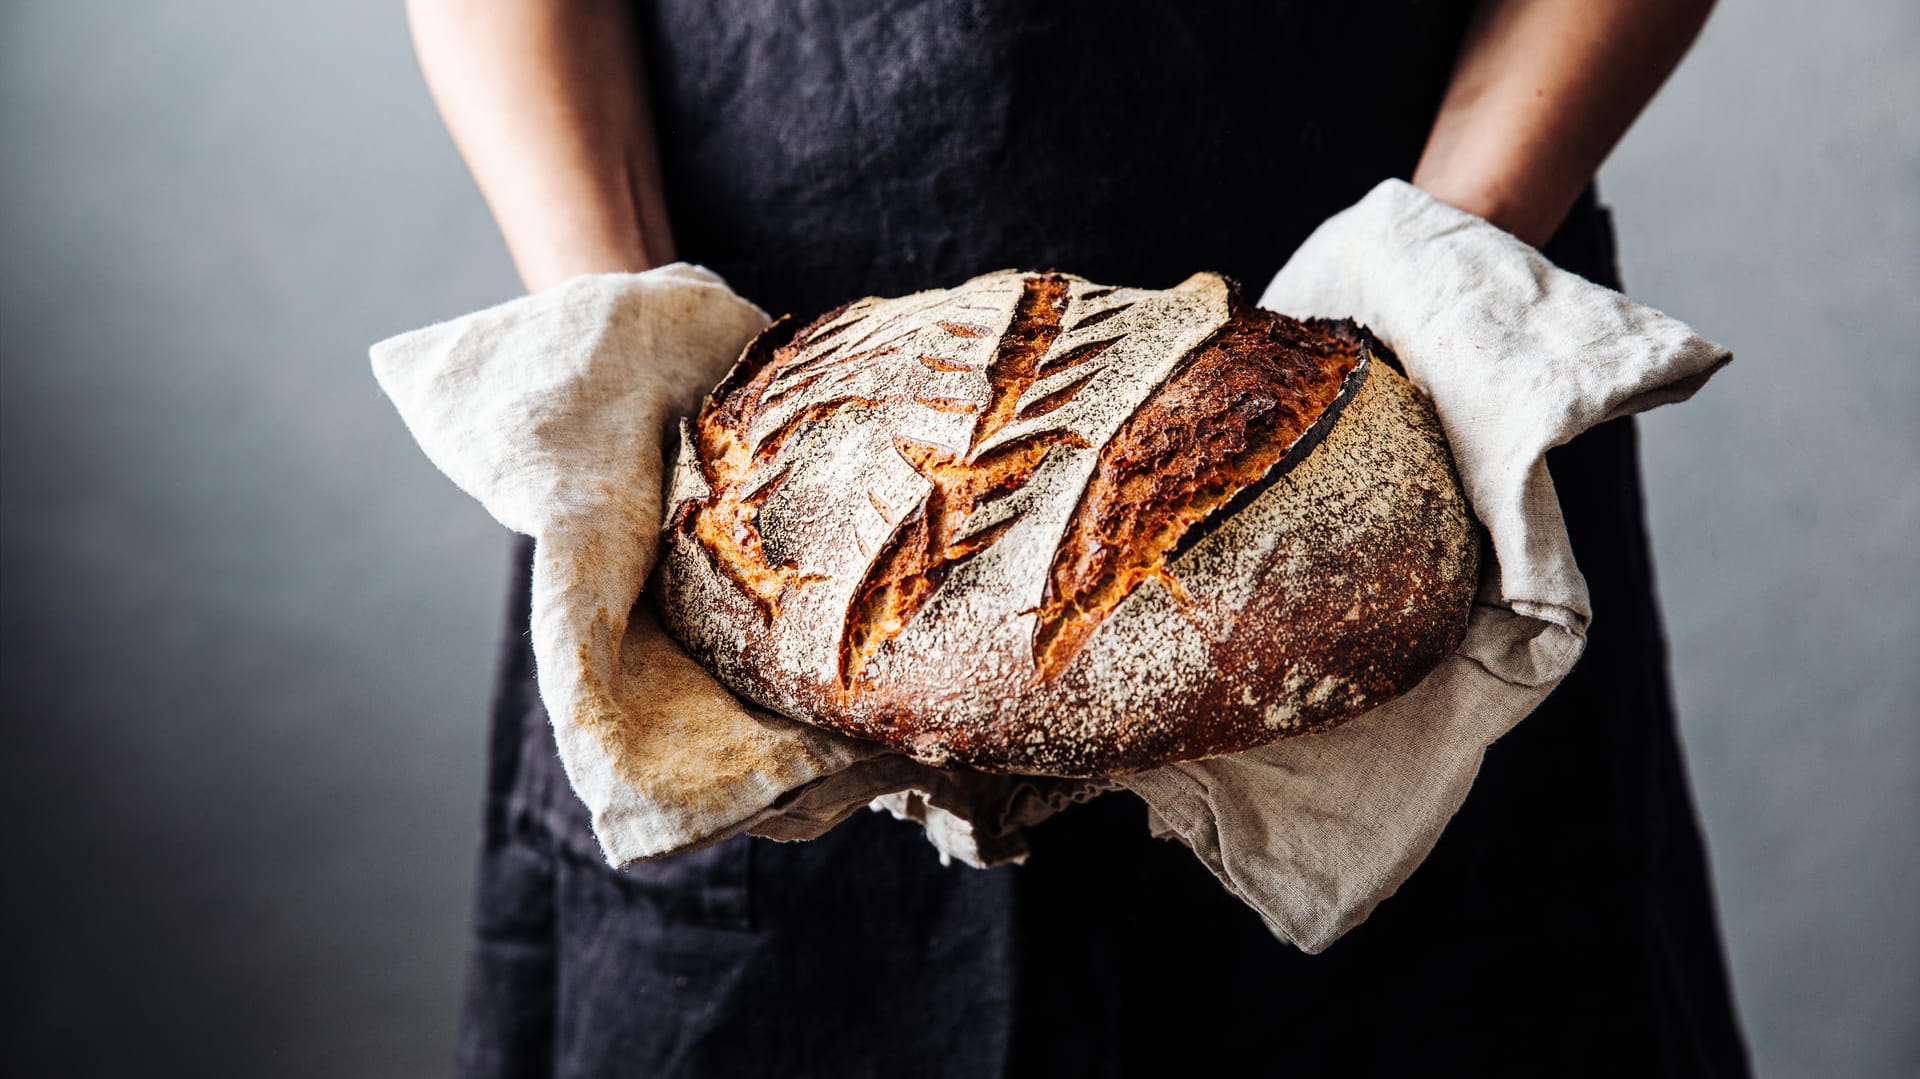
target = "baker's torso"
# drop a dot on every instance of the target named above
(815, 152)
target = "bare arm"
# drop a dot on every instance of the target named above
(1542, 91)
(547, 103)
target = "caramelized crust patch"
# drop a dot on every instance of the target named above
(726, 525)
(1214, 427)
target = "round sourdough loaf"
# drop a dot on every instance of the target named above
(1035, 524)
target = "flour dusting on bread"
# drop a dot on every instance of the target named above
(1036, 524)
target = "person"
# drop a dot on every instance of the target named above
(813, 151)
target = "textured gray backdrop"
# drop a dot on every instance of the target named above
(247, 627)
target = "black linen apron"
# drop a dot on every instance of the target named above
(816, 152)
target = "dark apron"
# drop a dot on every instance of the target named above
(817, 152)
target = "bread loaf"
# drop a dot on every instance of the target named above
(1035, 524)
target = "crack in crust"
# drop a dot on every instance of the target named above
(916, 559)
(1217, 427)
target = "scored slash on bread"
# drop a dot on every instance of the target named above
(1036, 524)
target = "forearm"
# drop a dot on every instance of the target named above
(546, 101)
(1542, 91)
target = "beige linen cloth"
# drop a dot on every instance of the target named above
(556, 410)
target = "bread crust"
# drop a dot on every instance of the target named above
(1033, 524)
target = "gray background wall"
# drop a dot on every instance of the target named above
(246, 627)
